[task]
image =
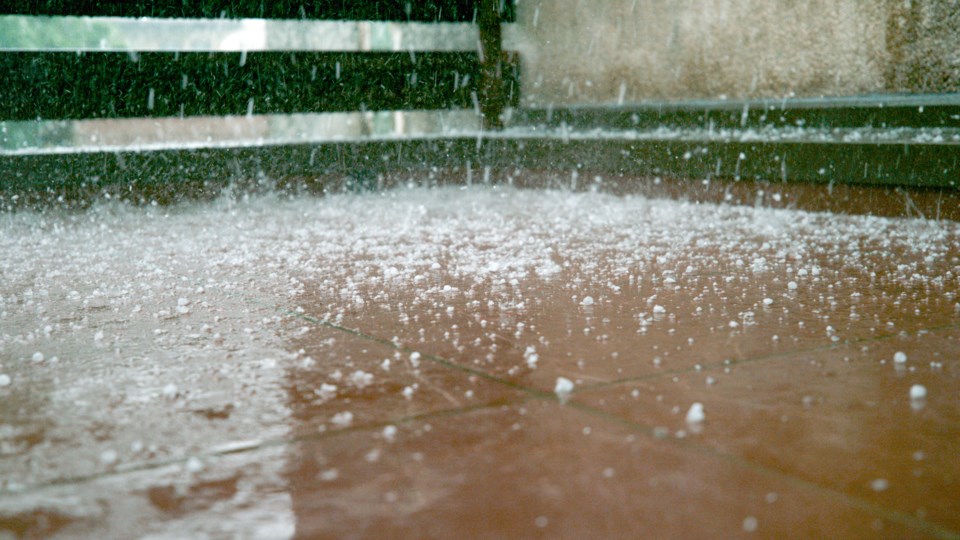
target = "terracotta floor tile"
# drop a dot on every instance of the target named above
(542, 470)
(841, 418)
(342, 379)
(638, 324)
(252, 365)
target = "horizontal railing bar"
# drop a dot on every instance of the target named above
(125, 151)
(40, 179)
(144, 134)
(789, 103)
(153, 134)
(119, 34)
(878, 111)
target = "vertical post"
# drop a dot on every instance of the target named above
(491, 92)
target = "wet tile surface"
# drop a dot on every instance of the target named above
(842, 419)
(384, 364)
(542, 470)
(343, 380)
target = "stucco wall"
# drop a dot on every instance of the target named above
(924, 44)
(613, 50)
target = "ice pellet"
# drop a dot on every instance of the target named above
(170, 391)
(342, 419)
(587, 301)
(108, 457)
(899, 357)
(531, 356)
(5, 379)
(361, 379)
(194, 465)
(326, 391)
(563, 387)
(918, 391)
(696, 415)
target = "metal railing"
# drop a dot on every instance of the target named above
(93, 35)
(870, 140)
(21, 33)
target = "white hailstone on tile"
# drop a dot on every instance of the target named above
(194, 464)
(531, 356)
(879, 484)
(109, 457)
(170, 391)
(696, 415)
(563, 388)
(326, 391)
(360, 379)
(342, 419)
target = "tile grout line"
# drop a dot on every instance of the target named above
(753, 360)
(286, 441)
(856, 502)
(258, 445)
(890, 515)
(532, 392)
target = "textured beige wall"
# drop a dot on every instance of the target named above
(612, 50)
(924, 43)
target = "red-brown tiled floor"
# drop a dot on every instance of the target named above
(384, 365)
